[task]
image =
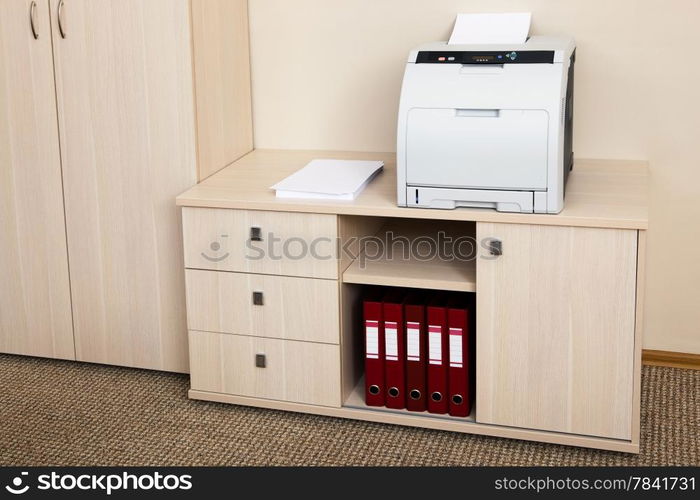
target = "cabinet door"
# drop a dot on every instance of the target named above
(125, 103)
(35, 314)
(555, 329)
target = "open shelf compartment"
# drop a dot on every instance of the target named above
(353, 368)
(418, 254)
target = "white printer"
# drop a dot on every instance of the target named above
(487, 126)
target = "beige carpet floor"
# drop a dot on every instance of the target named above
(62, 413)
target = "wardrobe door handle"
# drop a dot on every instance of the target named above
(61, 21)
(32, 19)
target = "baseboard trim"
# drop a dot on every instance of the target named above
(669, 358)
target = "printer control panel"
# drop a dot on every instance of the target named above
(486, 57)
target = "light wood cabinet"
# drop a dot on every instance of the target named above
(555, 328)
(98, 127)
(558, 312)
(35, 308)
(110, 108)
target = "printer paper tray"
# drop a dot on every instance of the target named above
(449, 198)
(488, 149)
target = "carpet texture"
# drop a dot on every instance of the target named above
(61, 413)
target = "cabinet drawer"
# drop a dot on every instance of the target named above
(299, 372)
(289, 308)
(291, 244)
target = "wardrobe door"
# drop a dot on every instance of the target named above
(126, 114)
(35, 311)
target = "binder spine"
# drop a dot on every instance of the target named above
(395, 352)
(437, 369)
(458, 362)
(415, 362)
(374, 354)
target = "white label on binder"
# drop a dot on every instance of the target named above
(413, 337)
(434, 345)
(372, 339)
(456, 360)
(391, 340)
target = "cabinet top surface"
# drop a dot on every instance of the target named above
(599, 193)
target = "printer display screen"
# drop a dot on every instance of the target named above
(486, 57)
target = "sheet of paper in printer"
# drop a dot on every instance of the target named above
(507, 28)
(324, 179)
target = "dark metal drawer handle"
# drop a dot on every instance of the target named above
(255, 234)
(260, 361)
(496, 247)
(258, 299)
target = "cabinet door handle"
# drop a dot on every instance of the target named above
(32, 19)
(61, 20)
(258, 299)
(255, 234)
(260, 361)
(496, 247)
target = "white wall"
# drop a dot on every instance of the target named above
(327, 73)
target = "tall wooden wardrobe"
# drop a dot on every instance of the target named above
(108, 110)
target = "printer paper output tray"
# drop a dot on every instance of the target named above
(450, 198)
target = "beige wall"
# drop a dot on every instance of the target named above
(327, 73)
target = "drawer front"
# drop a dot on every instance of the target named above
(292, 244)
(261, 305)
(299, 372)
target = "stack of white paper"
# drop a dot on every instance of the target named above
(510, 28)
(329, 180)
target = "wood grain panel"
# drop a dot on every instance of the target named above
(639, 335)
(351, 230)
(441, 260)
(352, 337)
(125, 99)
(599, 193)
(292, 244)
(300, 372)
(35, 309)
(556, 329)
(670, 358)
(293, 308)
(222, 81)
(424, 421)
